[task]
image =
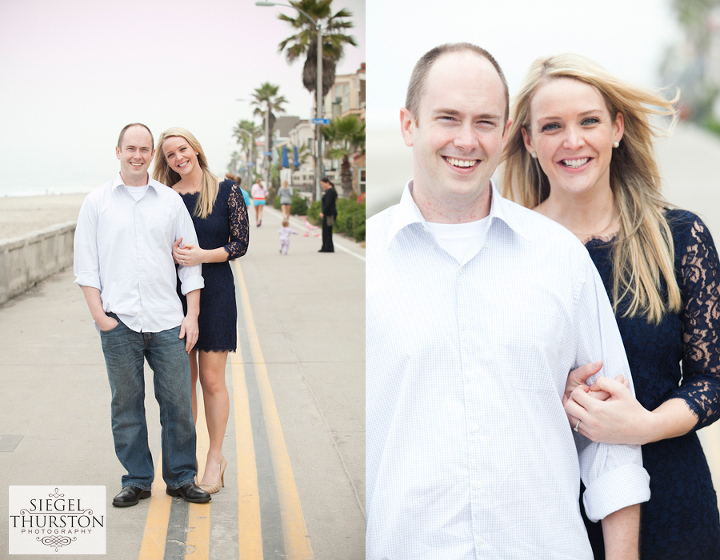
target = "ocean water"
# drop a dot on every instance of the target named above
(8, 190)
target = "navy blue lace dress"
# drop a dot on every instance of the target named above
(680, 522)
(227, 227)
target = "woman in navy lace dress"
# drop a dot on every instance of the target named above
(580, 152)
(221, 222)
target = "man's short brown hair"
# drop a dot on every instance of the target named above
(419, 73)
(125, 128)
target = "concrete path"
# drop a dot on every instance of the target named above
(294, 486)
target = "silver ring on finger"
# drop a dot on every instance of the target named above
(575, 429)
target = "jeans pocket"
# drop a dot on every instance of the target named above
(115, 328)
(111, 330)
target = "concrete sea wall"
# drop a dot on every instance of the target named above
(25, 261)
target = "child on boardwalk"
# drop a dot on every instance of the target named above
(285, 232)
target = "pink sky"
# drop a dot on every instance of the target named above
(74, 72)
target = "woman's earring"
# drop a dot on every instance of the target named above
(616, 144)
(534, 155)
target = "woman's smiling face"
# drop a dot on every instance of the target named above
(572, 132)
(179, 155)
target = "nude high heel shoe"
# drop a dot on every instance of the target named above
(213, 488)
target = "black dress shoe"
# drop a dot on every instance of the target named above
(190, 492)
(130, 496)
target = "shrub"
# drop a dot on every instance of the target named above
(350, 220)
(313, 213)
(299, 205)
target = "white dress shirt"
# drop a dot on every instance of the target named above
(469, 452)
(123, 247)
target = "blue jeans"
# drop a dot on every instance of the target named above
(125, 351)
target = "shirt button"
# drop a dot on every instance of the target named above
(475, 429)
(462, 270)
(466, 322)
(478, 486)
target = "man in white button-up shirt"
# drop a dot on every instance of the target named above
(124, 264)
(477, 310)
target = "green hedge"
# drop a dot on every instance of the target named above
(350, 219)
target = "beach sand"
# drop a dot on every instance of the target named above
(21, 215)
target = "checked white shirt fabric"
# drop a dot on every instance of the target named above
(469, 452)
(123, 247)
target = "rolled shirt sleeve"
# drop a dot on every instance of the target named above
(613, 475)
(190, 276)
(86, 264)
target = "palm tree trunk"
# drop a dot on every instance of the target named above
(346, 176)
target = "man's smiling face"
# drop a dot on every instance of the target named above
(460, 130)
(135, 155)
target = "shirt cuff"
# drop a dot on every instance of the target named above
(190, 284)
(622, 487)
(89, 280)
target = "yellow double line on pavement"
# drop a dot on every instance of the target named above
(296, 541)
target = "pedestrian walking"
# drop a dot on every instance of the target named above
(285, 194)
(259, 194)
(285, 232)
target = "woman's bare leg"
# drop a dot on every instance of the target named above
(217, 408)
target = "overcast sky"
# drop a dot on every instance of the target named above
(628, 37)
(74, 72)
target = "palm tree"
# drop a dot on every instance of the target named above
(345, 136)
(266, 100)
(234, 162)
(304, 41)
(245, 133)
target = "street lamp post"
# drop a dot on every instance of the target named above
(318, 91)
(268, 150)
(250, 156)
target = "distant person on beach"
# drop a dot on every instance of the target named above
(221, 222)
(285, 232)
(328, 214)
(477, 311)
(285, 194)
(580, 152)
(259, 194)
(124, 264)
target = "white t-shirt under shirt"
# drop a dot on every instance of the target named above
(456, 239)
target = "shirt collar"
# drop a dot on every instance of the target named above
(156, 185)
(407, 213)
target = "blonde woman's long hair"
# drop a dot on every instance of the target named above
(163, 173)
(643, 251)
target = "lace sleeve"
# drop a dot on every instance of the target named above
(239, 226)
(700, 282)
